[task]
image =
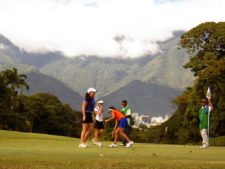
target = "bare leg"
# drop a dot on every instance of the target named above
(96, 135)
(121, 130)
(116, 136)
(100, 133)
(83, 133)
(89, 129)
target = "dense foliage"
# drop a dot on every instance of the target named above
(41, 113)
(206, 46)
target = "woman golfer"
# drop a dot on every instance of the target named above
(87, 121)
(120, 124)
(99, 125)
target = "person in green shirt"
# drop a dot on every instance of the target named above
(206, 108)
(126, 110)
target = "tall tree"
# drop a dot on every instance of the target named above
(204, 43)
(206, 46)
(4, 95)
(15, 81)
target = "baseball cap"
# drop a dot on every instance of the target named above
(100, 101)
(110, 109)
(91, 90)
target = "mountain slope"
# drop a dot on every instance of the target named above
(39, 82)
(43, 83)
(167, 68)
(146, 98)
(109, 75)
(13, 53)
(28, 63)
(106, 75)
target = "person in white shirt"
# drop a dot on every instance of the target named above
(99, 124)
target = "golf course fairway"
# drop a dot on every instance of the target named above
(38, 151)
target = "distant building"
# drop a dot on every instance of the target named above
(147, 120)
(136, 120)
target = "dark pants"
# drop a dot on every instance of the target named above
(127, 132)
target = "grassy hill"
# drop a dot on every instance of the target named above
(38, 151)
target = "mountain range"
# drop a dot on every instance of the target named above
(148, 83)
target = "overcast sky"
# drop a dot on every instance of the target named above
(107, 28)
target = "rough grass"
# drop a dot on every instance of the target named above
(37, 151)
(218, 141)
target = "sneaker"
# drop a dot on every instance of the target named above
(121, 144)
(99, 144)
(129, 144)
(93, 141)
(204, 146)
(113, 145)
(82, 145)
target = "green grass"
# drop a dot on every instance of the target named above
(37, 151)
(218, 141)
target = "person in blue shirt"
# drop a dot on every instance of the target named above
(88, 106)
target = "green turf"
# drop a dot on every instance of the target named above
(34, 151)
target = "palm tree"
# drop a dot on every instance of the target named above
(16, 82)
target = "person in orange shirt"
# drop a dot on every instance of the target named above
(120, 125)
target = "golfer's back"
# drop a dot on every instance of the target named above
(118, 115)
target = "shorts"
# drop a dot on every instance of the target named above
(89, 118)
(99, 124)
(123, 123)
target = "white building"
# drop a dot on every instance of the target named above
(147, 120)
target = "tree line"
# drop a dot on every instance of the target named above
(40, 113)
(206, 47)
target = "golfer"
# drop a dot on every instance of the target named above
(206, 108)
(99, 125)
(120, 125)
(87, 120)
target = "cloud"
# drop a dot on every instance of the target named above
(107, 28)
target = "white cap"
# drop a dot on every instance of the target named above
(109, 110)
(100, 102)
(91, 90)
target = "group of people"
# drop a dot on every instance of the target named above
(122, 121)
